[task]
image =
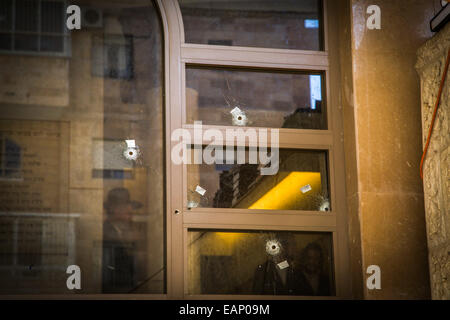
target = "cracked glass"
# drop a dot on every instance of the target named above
(255, 98)
(81, 151)
(300, 183)
(260, 263)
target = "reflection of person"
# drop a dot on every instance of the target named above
(277, 275)
(118, 242)
(312, 281)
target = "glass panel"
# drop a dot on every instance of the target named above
(6, 15)
(52, 43)
(284, 24)
(26, 42)
(260, 263)
(5, 41)
(301, 183)
(26, 15)
(265, 99)
(81, 157)
(52, 17)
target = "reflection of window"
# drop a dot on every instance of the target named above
(315, 86)
(33, 26)
(312, 24)
(35, 246)
(109, 161)
(112, 57)
(10, 159)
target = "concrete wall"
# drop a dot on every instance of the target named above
(430, 65)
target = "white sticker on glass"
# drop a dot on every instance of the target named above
(283, 265)
(200, 190)
(306, 188)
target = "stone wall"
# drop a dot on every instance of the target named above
(387, 137)
(430, 65)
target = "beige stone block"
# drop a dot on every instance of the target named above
(393, 236)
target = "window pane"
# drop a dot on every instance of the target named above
(260, 263)
(25, 42)
(81, 157)
(301, 183)
(5, 15)
(52, 43)
(284, 24)
(5, 41)
(52, 16)
(264, 99)
(27, 15)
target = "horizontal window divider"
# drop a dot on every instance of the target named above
(254, 221)
(259, 211)
(254, 57)
(288, 138)
(37, 53)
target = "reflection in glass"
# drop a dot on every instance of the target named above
(263, 99)
(81, 152)
(284, 24)
(260, 263)
(300, 184)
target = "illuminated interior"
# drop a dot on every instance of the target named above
(287, 194)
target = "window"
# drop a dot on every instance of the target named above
(10, 159)
(33, 26)
(283, 24)
(82, 151)
(87, 174)
(267, 98)
(260, 263)
(236, 72)
(113, 57)
(301, 183)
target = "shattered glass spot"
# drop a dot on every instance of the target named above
(238, 116)
(273, 247)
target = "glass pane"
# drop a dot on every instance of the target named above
(5, 41)
(260, 263)
(52, 16)
(26, 18)
(25, 42)
(6, 15)
(81, 158)
(52, 43)
(265, 99)
(301, 183)
(284, 24)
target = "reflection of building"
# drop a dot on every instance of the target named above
(36, 248)
(306, 118)
(68, 104)
(242, 185)
(234, 184)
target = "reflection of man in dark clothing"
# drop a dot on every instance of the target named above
(277, 275)
(271, 280)
(118, 242)
(312, 281)
(281, 274)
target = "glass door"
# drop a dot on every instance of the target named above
(261, 212)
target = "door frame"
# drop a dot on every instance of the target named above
(178, 54)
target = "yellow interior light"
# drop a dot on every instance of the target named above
(287, 194)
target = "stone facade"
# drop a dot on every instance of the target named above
(430, 65)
